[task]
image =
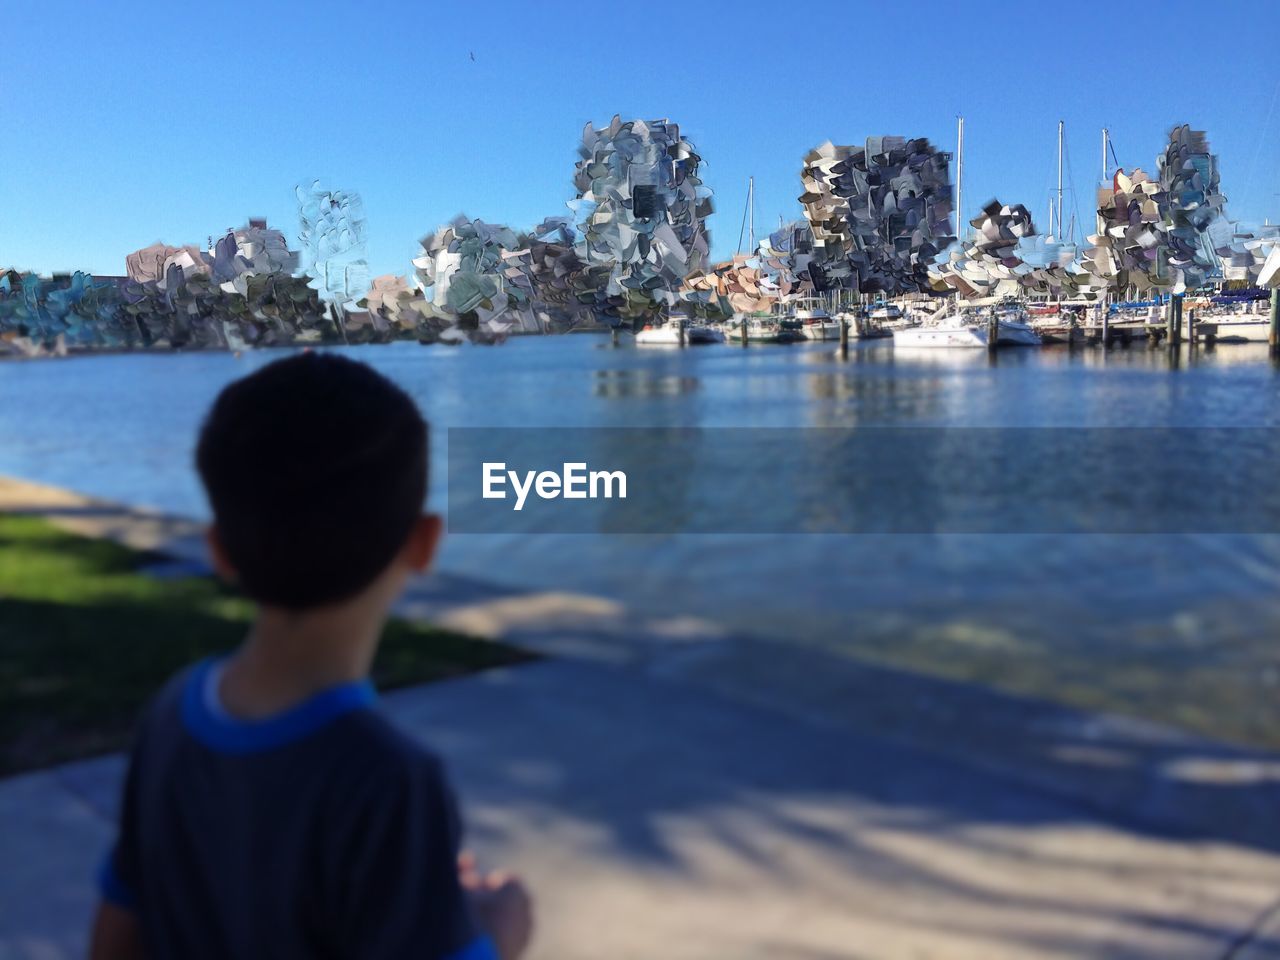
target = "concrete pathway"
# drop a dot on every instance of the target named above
(673, 791)
(656, 820)
(181, 538)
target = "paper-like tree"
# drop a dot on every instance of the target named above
(880, 213)
(567, 292)
(1126, 249)
(176, 311)
(1155, 233)
(641, 210)
(1250, 255)
(333, 233)
(393, 309)
(792, 262)
(1194, 202)
(475, 277)
(1004, 257)
(735, 286)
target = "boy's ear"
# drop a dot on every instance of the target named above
(218, 554)
(423, 541)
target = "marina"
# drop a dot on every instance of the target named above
(968, 324)
(880, 251)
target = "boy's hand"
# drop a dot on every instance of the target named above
(502, 905)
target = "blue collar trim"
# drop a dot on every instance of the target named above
(229, 735)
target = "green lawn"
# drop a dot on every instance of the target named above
(85, 639)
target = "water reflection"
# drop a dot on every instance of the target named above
(959, 358)
(1143, 354)
(1153, 618)
(847, 398)
(641, 383)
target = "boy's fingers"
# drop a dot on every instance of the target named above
(468, 875)
(497, 879)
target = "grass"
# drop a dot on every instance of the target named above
(86, 638)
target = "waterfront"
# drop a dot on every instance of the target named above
(1175, 627)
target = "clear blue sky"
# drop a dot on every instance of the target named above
(126, 123)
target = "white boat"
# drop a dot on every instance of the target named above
(668, 334)
(881, 320)
(765, 329)
(862, 328)
(1015, 330)
(1234, 328)
(967, 330)
(663, 334)
(1059, 322)
(890, 316)
(815, 322)
(1126, 323)
(948, 334)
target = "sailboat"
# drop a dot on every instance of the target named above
(766, 328)
(968, 326)
(678, 330)
(1111, 320)
(1058, 321)
(814, 320)
(779, 327)
(962, 325)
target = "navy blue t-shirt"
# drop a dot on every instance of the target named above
(321, 832)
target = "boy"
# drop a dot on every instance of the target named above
(268, 811)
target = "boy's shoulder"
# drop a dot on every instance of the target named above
(378, 774)
(383, 745)
(352, 733)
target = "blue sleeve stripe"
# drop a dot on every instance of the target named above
(111, 887)
(481, 948)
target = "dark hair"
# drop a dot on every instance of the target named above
(316, 469)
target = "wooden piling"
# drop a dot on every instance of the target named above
(1175, 320)
(680, 330)
(742, 331)
(1274, 338)
(993, 330)
(844, 335)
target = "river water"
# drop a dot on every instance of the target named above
(1179, 627)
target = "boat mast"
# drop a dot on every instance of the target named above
(1059, 180)
(751, 213)
(960, 178)
(1102, 226)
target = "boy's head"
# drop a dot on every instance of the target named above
(316, 469)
